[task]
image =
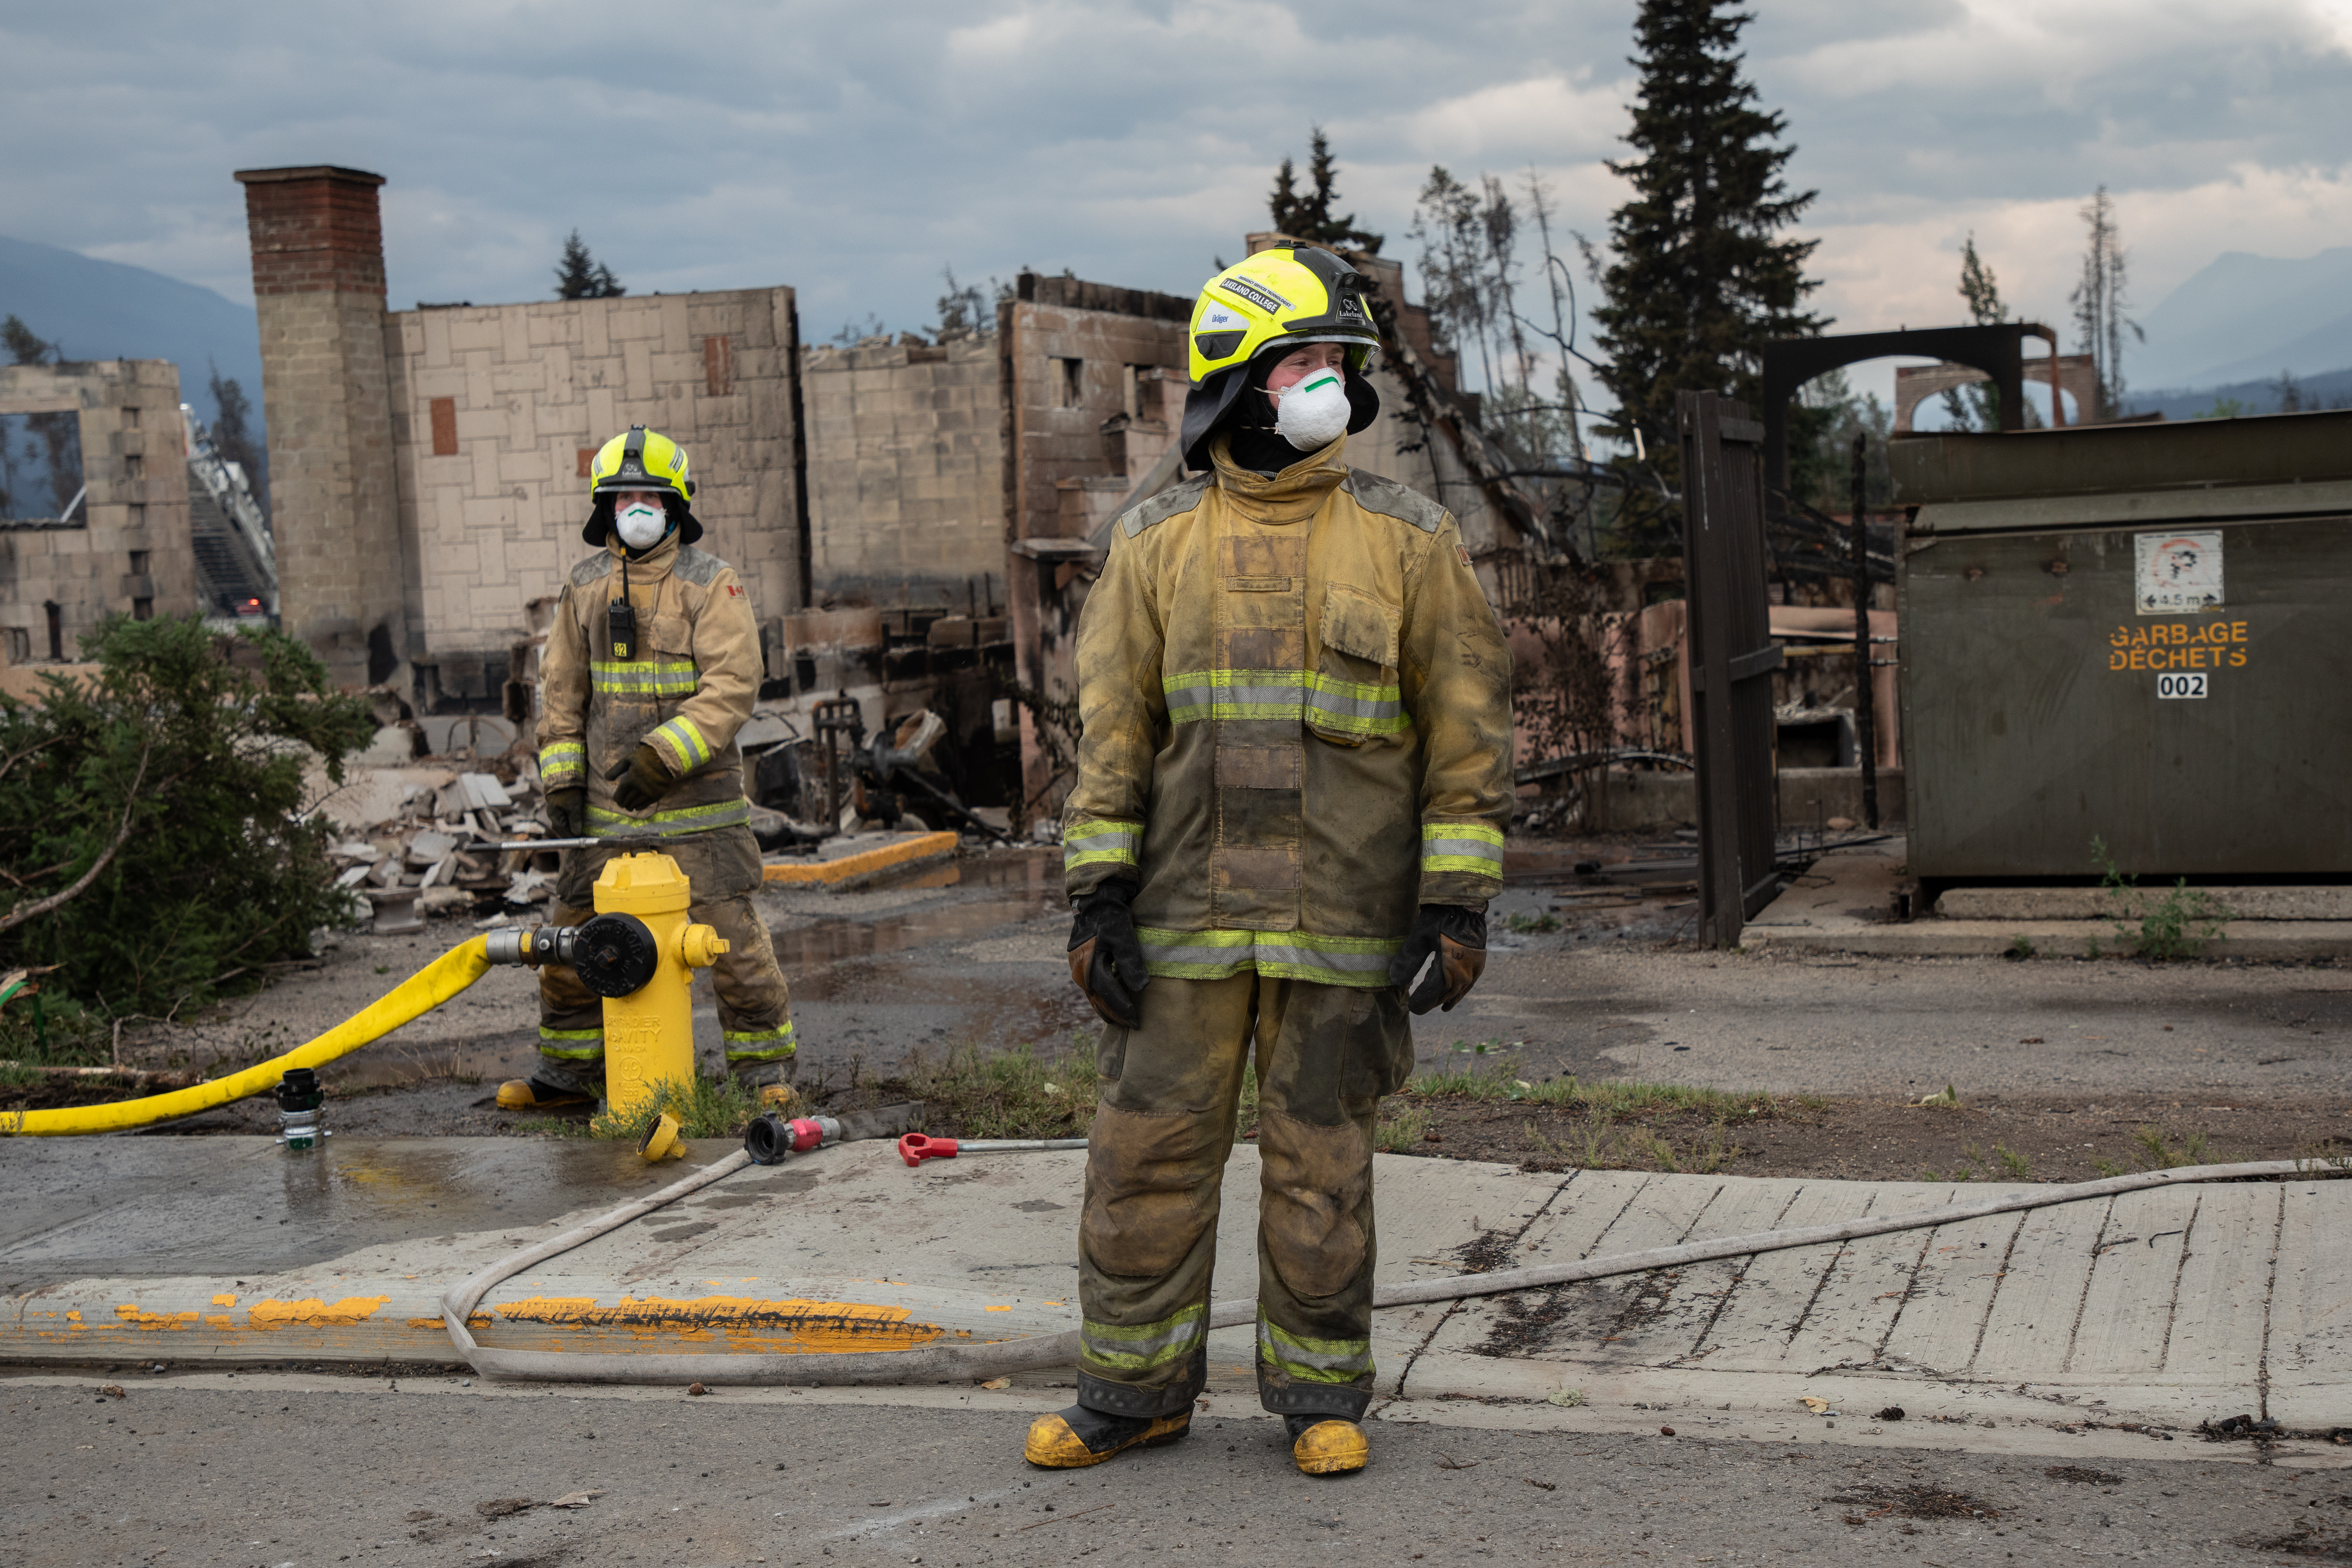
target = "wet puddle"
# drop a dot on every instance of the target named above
(1025, 887)
(1032, 888)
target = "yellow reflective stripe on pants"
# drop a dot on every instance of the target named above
(1101, 840)
(685, 739)
(572, 1045)
(645, 679)
(1322, 701)
(1358, 961)
(1145, 1345)
(759, 1045)
(604, 824)
(563, 763)
(1312, 1360)
(1461, 846)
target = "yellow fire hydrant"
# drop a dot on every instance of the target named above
(639, 951)
(649, 1031)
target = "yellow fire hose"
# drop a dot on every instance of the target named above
(412, 997)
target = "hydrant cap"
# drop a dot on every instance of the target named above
(645, 884)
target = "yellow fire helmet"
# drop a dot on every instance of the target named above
(1276, 300)
(641, 460)
(1295, 294)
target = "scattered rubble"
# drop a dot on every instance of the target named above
(433, 848)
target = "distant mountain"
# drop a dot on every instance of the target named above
(104, 309)
(2245, 317)
(2329, 389)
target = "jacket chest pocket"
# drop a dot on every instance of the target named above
(668, 660)
(1355, 697)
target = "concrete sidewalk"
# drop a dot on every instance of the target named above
(1844, 904)
(2087, 1328)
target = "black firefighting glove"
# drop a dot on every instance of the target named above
(1442, 958)
(1107, 957)
(650, 779)
(567, 811)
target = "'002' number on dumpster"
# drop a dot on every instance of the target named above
(2190, 683)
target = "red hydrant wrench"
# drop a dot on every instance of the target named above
(915, 1147)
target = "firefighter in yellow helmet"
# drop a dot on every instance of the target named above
(1293, 782)
(651, 665)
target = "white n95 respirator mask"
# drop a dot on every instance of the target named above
(1314, 414)
(641, 525)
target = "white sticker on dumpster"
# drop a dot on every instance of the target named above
(2192, 684)
(2177, 573)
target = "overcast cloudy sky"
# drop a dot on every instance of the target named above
(853, 149)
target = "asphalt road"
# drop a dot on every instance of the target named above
(292, 1471)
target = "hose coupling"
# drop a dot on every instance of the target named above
(613, 954)
(533, 945)
(299, 1099)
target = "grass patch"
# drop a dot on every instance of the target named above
(1403, 1128)
(705, 1108)
(1609, 1125)
(44, 1026)
(1500, 1080)
(2177, 925)
(1022, 1093)
(2159, 1149)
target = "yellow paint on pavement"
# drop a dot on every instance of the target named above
(313, 1313)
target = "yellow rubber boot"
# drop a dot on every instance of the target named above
(777, 1097)
(530, 1094)
(1073, 1438)
(1327, 1446)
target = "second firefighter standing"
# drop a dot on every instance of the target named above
(1293, 778)
(652, 663)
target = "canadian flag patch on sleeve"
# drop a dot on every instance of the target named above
(735, 590)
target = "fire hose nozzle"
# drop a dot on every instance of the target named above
(772, 1139)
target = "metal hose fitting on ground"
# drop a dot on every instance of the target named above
(961, 1361)
(412, 997)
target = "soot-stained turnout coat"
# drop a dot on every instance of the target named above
(1295, 713)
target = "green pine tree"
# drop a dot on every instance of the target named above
(1697, 278)
(579, 276)
(1978, 407)
(1309, 217)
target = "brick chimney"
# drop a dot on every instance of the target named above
(318, 283)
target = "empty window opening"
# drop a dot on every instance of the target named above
(1070, 379)
(20, 645)
(56, 615)
(139, 562)
(1143, 391)
(719, 366)
(40, 468)
(143, 609)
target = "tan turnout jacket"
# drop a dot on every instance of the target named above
(689, 689)
(1296, 706)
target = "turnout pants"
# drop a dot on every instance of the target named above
(755, 1016)
(1147, 1235)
